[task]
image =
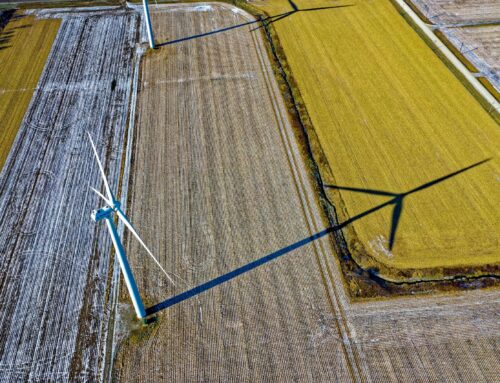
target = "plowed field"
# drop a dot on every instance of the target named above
(217, 185)
(55, 264)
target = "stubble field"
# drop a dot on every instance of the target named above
(403, 141)
(55, 264)
(445, 12)
(218, 184)
(24, 46)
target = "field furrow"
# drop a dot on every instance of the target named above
(217, 185)
(55, 262)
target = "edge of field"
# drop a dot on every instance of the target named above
(465, 61)
(495, 114)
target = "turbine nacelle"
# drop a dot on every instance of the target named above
(102, 213)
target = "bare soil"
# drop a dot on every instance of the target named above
(441, 12)
(218, 184)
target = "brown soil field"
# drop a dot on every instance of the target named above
(220, 193)
(481, 47)
(458, 11)
(24, 46)
(218, 183)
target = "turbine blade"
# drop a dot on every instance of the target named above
(129, 225)
(103, 175)
(102, 196)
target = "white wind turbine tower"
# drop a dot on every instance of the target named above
(107, 213)
(149, 29)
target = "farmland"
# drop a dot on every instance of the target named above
(481, 46)
(200, 142)
(24, 46)
(225, 190)
(55, 263)
(389, 118)
(445, 12)
(217, 183)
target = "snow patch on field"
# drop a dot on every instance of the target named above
(380, 245)
(65, 13)
(55, 262)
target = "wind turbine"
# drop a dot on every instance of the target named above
(149, 29)
(107, 213)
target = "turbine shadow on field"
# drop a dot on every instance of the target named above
(270, 19)
(276, 18)
(396, 200)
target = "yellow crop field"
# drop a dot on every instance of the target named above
(403, 139)
(24, 47)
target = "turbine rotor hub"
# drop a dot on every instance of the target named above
(102, 213)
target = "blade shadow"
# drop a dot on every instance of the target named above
(276, 18)
(398, 198)
(176, 41)
(269, 19)
(396, 214)
(397, 201)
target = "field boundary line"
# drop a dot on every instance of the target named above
(494, 105)
(111, 349)
(304, 189)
